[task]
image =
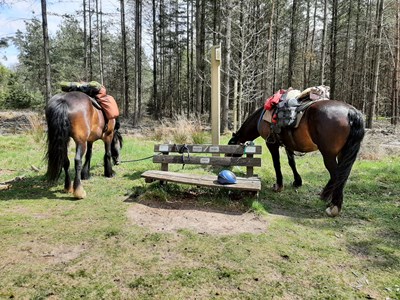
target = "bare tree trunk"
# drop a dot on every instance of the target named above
(46, 52)
(345, 68)
(364, 65)
(311, 58)
(292, 49)
(99, 41)
(188, 61)
(162, 59)
(200, 40)
(90, 43)
(333, 49)
(155, 43)
(323, 45)
(396, 77)
(270, 71)
(192, 85)
(125, 72)
(241, 67)
(235, 105)
(305, 52)
(138, 61)
(227, 66)
(85, 45)
(375, 79)
(354, 68)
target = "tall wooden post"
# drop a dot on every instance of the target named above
(215, 94)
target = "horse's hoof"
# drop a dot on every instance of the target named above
(297, 184)
(277, 188)
(69, 190)
(80, 193)
(332, 211)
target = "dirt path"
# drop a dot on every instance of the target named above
(200, 221)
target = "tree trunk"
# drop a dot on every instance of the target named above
(188, 60)
(311, 58)
(125, 72)
(138, 62)
(353, 70)
(99, 41)
(306, 51)
(270, 68)
(364, 65)
(396, 77)
(345, 68)
(323, 54)
(200, 40)
(293, 48)
(46, 51)
(90, 43)
(227, 66)
(85, 44)
(333, 49)
(377, 54)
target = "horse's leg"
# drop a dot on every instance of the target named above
(79, 192)
(108, 172)
(274, 150)
(338, 184)
(67, 182)
(292, 163)
(331, 165)
(86, 167)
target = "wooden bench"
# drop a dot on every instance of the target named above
(213, 155)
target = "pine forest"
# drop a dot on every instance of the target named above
(154, 55)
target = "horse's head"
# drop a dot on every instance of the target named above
(234, 139)
(116, 146)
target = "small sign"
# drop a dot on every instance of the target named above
(250, 149)
(164, 148)
(197, 149)
(205, 160)
(214, 149)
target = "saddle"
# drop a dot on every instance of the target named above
(98, 96)
(291, 105)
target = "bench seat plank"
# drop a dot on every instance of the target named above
(245, 184)
(210, 160)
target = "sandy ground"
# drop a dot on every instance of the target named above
(202, 222)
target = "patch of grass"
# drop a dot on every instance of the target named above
(53, 246)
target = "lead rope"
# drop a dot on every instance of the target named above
(140, 159)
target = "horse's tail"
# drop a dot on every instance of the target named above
(349, 152)
(58, 131)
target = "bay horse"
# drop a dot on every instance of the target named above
(73, 115)
(334, 128)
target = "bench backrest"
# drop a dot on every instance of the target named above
(209, 155)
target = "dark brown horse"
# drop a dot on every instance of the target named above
(334, 128)
(73, 115)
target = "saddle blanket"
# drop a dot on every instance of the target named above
(96, 90)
